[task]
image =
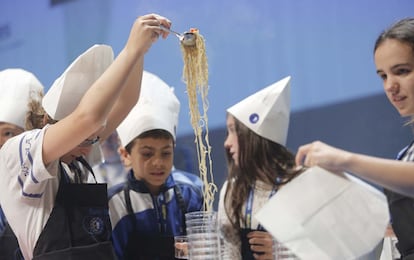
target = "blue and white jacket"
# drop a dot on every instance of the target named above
(161, 215)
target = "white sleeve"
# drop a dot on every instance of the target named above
(24, 163)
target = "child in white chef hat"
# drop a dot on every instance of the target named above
(20, 92)
(258, 165)
(148, 210)
(21, 95)
(52, 212)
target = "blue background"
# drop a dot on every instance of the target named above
(325, 45)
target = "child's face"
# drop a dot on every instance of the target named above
(7, 131)
(231, 144)
(83, 149)
(395, 65)
(152, 160)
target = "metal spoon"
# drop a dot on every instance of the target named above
(186, 38)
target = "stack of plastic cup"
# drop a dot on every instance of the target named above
(203, 235)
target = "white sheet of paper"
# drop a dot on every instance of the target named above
(321, 215)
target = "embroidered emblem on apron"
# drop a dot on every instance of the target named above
(93, 225)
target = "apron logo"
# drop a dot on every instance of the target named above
(94, 225)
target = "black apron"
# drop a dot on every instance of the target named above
(402, 214)
(151, 247)
(9, 247)
(79, 227)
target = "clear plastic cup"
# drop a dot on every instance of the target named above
(203, 235)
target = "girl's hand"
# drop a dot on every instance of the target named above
(323, 155)
(261, 242)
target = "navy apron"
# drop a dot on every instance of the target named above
(151, 247)
(79, 227)
(246, 251)
(402, 214)
(9, 247)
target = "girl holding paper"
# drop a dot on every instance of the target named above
(394, 61)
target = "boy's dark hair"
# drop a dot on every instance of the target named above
(154, 133)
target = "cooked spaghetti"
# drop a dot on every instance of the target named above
(195, 75)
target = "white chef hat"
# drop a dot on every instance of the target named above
(67, 90)
(157, 108)
(266, 112)
(17, 88)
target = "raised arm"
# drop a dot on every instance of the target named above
(119, 83)
(391, 174)
(149, 32)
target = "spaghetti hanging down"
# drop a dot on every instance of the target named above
(195, 76)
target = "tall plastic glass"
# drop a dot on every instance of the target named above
(203, 235)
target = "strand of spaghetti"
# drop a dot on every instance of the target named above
(212, 188)
(195, 75)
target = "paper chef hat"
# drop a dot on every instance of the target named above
(67, 90)
(267, 111)
(157, 108)
(17, 88)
